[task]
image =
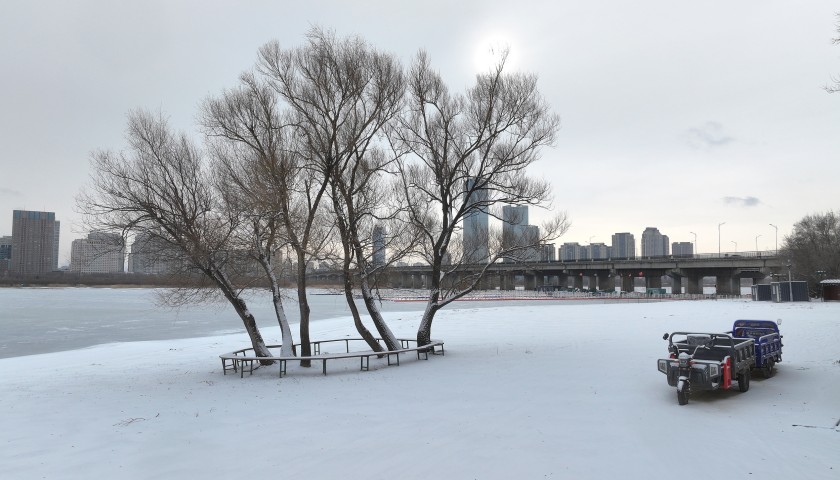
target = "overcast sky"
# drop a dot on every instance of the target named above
(676, 115)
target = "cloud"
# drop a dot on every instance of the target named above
(708, 136)
(8, 192)
(742, 201)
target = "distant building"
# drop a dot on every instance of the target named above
(654, 244)
(514, 221)
(623, 245)
(5, 254)
(548, 253)
(570, 252)
(598, 251)
(378, 240)
(517, 233)
(5, 248)
(682, 249)
(34, 242)
(476, 225)
(98, 253)
(531, 236)
(151, 255)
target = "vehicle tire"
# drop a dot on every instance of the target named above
(767, 370)
(683, 393)
(744, 381)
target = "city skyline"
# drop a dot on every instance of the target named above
(716, 117)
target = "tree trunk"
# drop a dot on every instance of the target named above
(385, 332)
(241, 309)
(303, 304)
(287, 342)
(357, 319)
(424, 331)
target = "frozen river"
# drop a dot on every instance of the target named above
(43, 320)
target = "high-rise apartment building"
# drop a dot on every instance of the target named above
(654, 244)
(570, 252)
(598, 251)
(151, 255)
(548, 253)
(35, 238)
(98, 253)
(623, 245)
(476, 226)
(682, 249)
(5, 254)
(5, 248)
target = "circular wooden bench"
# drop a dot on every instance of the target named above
(239, 360)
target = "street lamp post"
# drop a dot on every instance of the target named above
(695, 242)
(719, 224)
(777, 238)
(756, 243)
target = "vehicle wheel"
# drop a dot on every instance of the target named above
(744, 381)
(683, 393)
(767, 370)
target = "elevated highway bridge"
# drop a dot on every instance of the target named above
(686, 273)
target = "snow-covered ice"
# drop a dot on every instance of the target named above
(544, 391)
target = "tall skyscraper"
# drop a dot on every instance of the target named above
(34, 242)
(515, 230)
(514, 224)
(623, 245)
(98, 253)
(378, 240)
(476, 226)
(654, 244)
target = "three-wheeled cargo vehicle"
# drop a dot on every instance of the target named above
(768, 342)
(707, 361)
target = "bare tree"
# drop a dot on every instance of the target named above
(466, 154)
(813, 248)
(160, 189)
(260, 149)
(835, 86)
(341, 93)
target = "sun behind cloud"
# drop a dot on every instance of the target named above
(489, 50)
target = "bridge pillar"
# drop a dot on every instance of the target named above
(578, 282)
(676, 284)
(539, 280)
(694, 285)
(486, 283)
(653, 282)
(627, 283)
(530, 282)
(724, 284)
(593, 281)
(606, 282)
(507, 281)
(563, 281)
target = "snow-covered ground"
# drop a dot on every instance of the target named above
(544, 391)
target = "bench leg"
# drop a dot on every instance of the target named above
(282, 368)
(364, 364)
(325, 366)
